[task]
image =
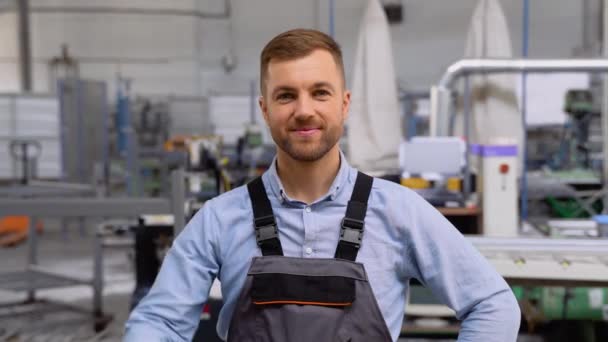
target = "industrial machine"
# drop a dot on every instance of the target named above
(579, 106)
(153, 237)
(560, 281)
(204, 178)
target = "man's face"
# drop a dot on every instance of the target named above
(305, 105)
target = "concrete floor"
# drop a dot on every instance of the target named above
(71, 253)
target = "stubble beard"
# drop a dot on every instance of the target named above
(305, 151)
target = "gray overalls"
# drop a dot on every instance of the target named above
(286, 299)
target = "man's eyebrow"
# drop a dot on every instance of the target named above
(316, 85)
(282, 88)
(323, 85)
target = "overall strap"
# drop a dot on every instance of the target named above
(266, 230)
(351, 231)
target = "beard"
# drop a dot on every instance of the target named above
(309, 150)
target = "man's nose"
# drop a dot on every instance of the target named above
(305, 106)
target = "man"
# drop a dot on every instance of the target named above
(391, 231)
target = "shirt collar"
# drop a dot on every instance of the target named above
(271, 178)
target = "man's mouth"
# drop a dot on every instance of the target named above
(306, 131)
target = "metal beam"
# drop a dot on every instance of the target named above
(593, 247)
(551, 273)
(178, 193)
(557, 262)
(25, 56)
(605, 110)
(84, 207)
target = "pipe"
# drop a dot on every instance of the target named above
(252, 102)
(178, 195)
(466, 182)
(132, 11)
(591, 22)
(25, 53)
(332, 13)
(477, 66)
(523, 199)
(440, 107)
(605, 112)
(586, 23)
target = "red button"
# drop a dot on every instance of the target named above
(504, 168)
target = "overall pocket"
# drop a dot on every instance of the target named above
(279, 288)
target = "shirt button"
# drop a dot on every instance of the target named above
(308, 209)
(308, 250)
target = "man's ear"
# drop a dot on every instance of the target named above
(263, 108)
(345, 104)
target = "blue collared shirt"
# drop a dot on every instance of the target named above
(405, 238)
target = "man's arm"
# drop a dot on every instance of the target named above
(171, 310)
(460, 276)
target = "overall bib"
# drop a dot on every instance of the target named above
(286, 299)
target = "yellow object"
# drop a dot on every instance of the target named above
(453, 184)
(415, 183)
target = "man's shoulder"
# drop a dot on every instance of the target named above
(230, 199)
(387, 187)
(395, 198)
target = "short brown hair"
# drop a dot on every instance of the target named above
(295, 44)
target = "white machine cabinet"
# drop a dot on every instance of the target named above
(497, 185)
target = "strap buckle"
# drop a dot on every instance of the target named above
(266, 229)
(352, 231)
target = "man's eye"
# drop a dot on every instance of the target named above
(321, 93)
(285, 97)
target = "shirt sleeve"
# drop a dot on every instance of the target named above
(447, 264)
(171, 310)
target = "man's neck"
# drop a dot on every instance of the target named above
(307, 181)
